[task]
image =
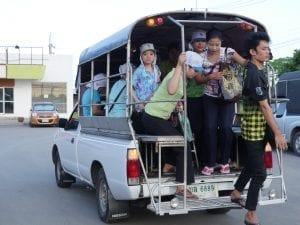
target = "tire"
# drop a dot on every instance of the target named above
(109, 210)
(296, 143)
(63, 179)
(218, 211)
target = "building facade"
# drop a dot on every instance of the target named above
(27, 75)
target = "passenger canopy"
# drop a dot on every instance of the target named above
(234, 28)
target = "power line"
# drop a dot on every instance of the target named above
(289, 32)
(285, 43)
(233, 3)
(240, 4)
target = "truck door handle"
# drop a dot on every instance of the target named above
(72, 140)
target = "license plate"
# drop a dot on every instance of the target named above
(45, 120)
(204, 190)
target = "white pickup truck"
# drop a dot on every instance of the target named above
(113, 167)
(288, 108)
(289, 125)
(108, 154)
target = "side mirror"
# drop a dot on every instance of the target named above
(62, 123)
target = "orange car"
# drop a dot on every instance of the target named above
(43, 114)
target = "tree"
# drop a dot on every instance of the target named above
(296, 59)
(287, 64)
(282, 65)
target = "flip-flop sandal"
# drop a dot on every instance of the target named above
(169, 172)
(240, 201)
(189, 195)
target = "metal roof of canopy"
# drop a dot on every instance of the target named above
(108, 44)
(290, 76)
(121, 37)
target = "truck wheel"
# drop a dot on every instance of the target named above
(296, 143)
(109, 209)
(218, 211)
(63, 179)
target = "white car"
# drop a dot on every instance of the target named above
(289, 125)
(288, 109)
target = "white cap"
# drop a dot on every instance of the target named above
(99, 81)
(146, 47)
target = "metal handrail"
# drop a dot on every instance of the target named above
(21, 55)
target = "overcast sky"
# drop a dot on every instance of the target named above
(77, 24)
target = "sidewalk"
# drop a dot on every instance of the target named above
(12, 121)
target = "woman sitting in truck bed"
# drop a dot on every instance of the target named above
(156, 117)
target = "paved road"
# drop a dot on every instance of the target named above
(29, 195)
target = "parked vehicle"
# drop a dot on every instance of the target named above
(288, 111)
(43, 114)
(109, 155)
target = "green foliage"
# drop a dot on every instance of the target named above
(281, 65)
(296, 59)
(287, 64)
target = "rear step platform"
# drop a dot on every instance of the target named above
(192, 205)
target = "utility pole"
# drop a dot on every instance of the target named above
(51, 46)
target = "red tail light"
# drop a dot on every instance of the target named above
(133, 167)
(159, 21)
(268, 156)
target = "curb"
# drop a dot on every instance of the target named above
(12, 122)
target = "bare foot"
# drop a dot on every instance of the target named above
(251, 217)
(236, 197)
(235, 194)
(168, 168)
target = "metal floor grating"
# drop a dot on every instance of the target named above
(192, 205)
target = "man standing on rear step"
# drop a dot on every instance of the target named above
(257, 116)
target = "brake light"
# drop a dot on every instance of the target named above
(133, 167)
(154, 21)
(268, 156)
(159, 21)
